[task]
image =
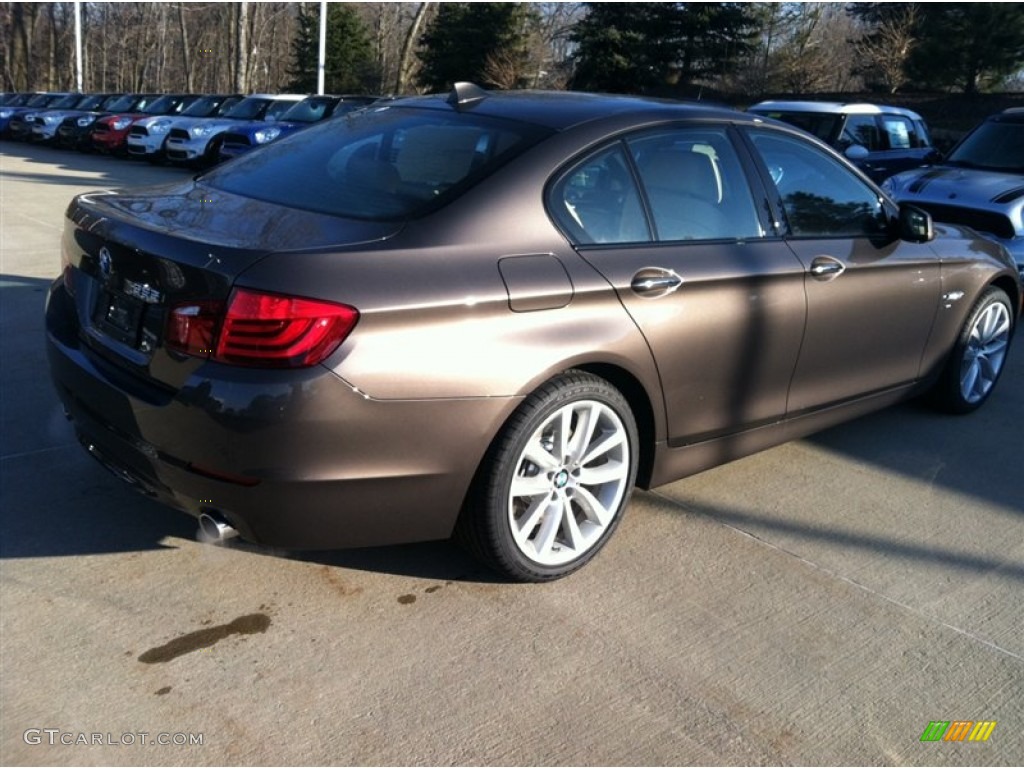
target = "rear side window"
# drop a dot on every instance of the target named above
(904, 133)
(597, 201)
(384, 164)
(695, 185)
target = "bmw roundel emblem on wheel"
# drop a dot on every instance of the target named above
(491, 315)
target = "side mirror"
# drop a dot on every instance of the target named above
(856, 152)
(915, 224)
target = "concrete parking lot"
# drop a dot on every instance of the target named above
(819, 603)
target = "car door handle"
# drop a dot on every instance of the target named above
(653, 282)
(826, 268)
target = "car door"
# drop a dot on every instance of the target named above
(669, 219)
(871, 298)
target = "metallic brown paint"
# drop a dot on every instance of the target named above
(464, 313)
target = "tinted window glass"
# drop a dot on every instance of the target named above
(206, 106)
(90, 102)
(248, 109)
(821, 124)
(695, 185)
(121, 103)
(309, 110)
(820, 196)
(993, 145)
(276, 109)
(863, 130)
(385, 164)
(597, 201)
(162, 106)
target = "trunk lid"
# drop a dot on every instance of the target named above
(130, 257)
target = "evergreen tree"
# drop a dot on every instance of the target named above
(349, 65)
(464, 41)
(970, 46)
(636, 46)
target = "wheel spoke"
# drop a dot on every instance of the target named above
(594, 510)
(969, 380)
(572, 529)
(608, 472)
(586, 423)
(538, 485)
(536, 453)
(521, 531)
(552, 521)
(611, 440)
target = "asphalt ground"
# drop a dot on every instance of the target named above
(820, 603)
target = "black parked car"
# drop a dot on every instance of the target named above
(15, 126)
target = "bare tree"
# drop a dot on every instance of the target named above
(405, 68)
(887, 49)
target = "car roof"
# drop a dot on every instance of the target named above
(835, 107)
(558, 110)
(1011, 115)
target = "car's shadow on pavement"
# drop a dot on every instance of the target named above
(89, 170)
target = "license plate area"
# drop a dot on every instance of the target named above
(120, 317)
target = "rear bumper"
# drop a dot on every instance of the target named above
(326, 466)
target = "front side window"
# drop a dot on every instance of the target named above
(387, 164)
(695, 185)
(820, 196)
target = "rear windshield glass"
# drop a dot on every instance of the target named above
(389, 163)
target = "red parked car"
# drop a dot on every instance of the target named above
(110, 133)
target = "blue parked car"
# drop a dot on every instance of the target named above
(242, 138)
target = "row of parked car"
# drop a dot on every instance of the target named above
(182, 128)
(980, 183)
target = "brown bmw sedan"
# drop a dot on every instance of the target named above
(493, 314)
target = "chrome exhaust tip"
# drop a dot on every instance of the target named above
(213, 529)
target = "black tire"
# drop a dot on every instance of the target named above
(978, 357)
(569, 505)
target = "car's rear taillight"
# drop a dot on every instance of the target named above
(260, 329)
(192, 327)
